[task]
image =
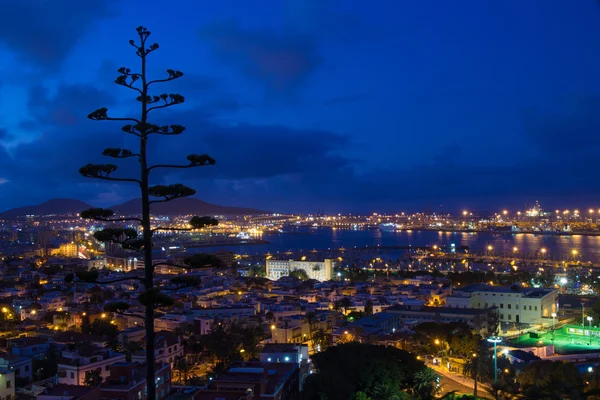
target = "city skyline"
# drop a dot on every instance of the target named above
(330, 105)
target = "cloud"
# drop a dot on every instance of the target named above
(68, 107)
(281, 61)
(44, 31)
(5, 135)
(344, 99)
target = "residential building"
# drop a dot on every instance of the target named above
(224, 312)
(523, 306)
(288, 353)
(319, 270)
(167, 347)
(482, 320)
(69, 392)
(297, 329)
(254, 381)
(21, 366)
(7, 384)
(127, 381)
(74, 364)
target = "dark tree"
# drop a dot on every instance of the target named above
(369, 307)
(547, 379)
(94, 378)
(345, 370)
(141, 128)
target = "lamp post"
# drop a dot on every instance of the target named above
(589, 318)
(495, 340)
(553, 324)
(475, 368)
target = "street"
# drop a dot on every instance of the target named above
(449, 385)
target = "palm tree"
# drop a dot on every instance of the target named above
(321, 339)
(346, 304)
(93, 378)
(470, 369)
(386, 391)
(310, 318)
(425, 384)
(270, 316)
(183, 367)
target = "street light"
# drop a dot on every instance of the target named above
(553, 324)
(495, 340)
(590, 318)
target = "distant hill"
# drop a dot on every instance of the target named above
(183, 206)
(51, 207)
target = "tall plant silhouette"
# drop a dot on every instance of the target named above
(141, 128)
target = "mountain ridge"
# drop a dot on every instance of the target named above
(183, 206)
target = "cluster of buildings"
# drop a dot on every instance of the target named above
(52, 347)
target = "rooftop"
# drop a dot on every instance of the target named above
(280, 348)
(525, 291)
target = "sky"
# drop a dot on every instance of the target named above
(312, 105)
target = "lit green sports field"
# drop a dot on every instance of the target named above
(566, 340)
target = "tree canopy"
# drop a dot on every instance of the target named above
(343, 371)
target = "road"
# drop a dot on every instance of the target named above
(449, 385)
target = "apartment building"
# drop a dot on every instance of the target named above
(74, 364)
(516, 304)
(318, 270)
(127, 381)
(297, 329)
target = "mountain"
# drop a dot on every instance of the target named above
(51, 207)
(182, 206)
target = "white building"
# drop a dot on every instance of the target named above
(319, 270)
(516, 305)
(74, 364)
(7, 384)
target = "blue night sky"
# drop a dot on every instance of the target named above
(313, 104)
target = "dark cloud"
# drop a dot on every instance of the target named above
(65, 140)
(282, 61)
(343, 99)
(285, 169)
(5, 135)
(68, 107)
(44, 31)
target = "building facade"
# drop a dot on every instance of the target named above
(319, 270)
(516, 305)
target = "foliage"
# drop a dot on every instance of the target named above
(321, 339)
(369, 307)
(203, 261)
(47, 366)
(551, 380)
(425, 384)
(344, 370)
(182, 366)
(93, 378)
(225, 341)
(299, 274)
(103, 327)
